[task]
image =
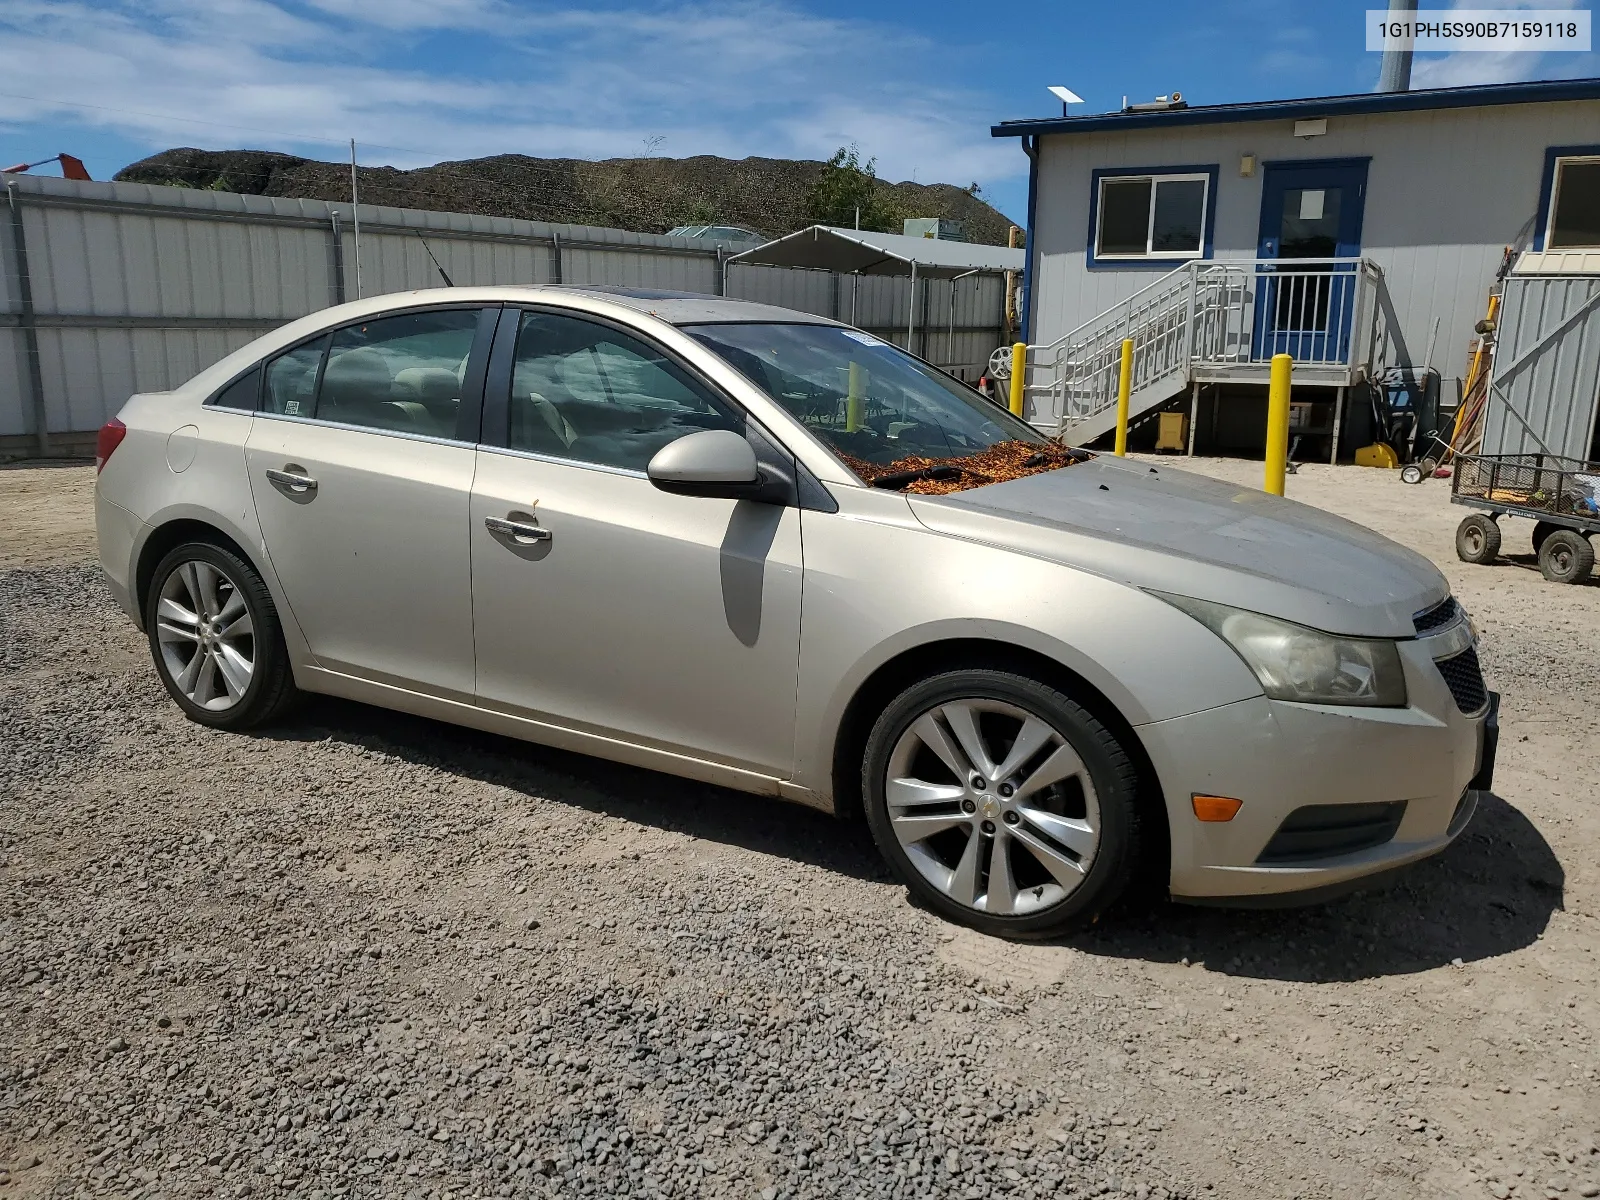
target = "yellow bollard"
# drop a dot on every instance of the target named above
(855, 406)
(1278, 424)
(1124, 390)
(1019, 376)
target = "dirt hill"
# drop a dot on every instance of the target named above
(649, 195)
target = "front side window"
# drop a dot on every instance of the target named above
(1575, 205)
(585, 391)
(884, 413)
(402, 373)
(1151, 216)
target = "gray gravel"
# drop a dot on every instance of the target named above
(369, 955)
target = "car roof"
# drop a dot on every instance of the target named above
(692, 308)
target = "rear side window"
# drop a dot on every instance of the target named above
(401, 373)
(241, 393)
(291, 389)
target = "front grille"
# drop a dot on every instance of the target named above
(1326, 830)
(1439, 615)
(1464, 677)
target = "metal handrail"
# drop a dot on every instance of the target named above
(1322, 311)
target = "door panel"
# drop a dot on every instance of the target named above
(1308, 211)
(668, 620)
(374, 558)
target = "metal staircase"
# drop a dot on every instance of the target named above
(1209, 322)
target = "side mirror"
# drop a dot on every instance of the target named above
(713, 462)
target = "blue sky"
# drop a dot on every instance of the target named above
(915, 85)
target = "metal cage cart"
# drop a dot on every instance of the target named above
(1561, 495)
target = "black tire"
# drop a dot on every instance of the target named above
(1478, 539)
(270, 691)
(1566, 557)
(1541, 531)
(1110, 772)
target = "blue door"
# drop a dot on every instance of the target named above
(1310, 211)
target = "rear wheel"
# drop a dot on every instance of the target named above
(1478, 539)
(1566, 557)
(1001, 803)
(215, 638)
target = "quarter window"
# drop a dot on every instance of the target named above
(241, 393)
(586, 391)
(1575, 204)
(1151, 216)
(291, 389)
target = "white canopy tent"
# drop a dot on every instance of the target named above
(864, 252)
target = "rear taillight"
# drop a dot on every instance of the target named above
(110, 437)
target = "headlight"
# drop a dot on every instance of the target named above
(1296, 663)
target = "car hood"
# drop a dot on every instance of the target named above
(1172, 531)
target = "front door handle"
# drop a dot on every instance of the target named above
(295, 481)
(518, 531)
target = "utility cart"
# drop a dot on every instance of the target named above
(1561, 495)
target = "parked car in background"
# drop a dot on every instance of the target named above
(763, 549)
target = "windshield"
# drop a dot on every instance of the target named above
(893, 420)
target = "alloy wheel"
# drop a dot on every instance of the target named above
(993, 806)
(206, 635)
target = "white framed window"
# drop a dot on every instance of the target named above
(1573, 221)
(1151, 216)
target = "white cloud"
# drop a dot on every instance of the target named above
(453, 79)
(1468, 67)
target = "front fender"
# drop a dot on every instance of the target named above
(875, 591)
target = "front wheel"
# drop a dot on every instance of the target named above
(1477, 539)
(215, 638)
(1002, 803)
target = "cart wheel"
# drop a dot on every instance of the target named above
(1566, 557)
(1430, 464)
(1541, 531)
(1477, 539)
(1412, 473)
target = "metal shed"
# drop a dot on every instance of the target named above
(859, 252)
(1545, 390)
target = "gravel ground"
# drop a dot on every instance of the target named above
(364, 954)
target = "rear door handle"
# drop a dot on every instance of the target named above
(520, 531)
(292, 480)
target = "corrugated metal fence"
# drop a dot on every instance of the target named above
(1546, 383)
(107, 289)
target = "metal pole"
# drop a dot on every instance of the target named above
(336, 245)
(855, 286)
(1395, 73)
(30, 330)
(911, 309)
(1338, 419)
(555, 243)
(1124, 394)
(1277, 464)
(1194, 412)
(355, 214)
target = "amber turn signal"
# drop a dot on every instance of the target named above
(1215, 808)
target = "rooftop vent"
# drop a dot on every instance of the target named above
(1159, 104)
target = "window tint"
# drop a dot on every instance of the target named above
(588, 392)
(292, 381)
(1180, 209)
(241, 393)
(1124, 216)
(1575, 219)
(402, 373)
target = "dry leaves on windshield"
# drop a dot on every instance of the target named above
(998, 464)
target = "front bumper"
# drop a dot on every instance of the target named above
(1277, 757)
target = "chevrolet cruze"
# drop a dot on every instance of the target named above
(763, 549)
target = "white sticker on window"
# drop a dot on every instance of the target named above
(866, 339)
(291, 408)
(1311, 202)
